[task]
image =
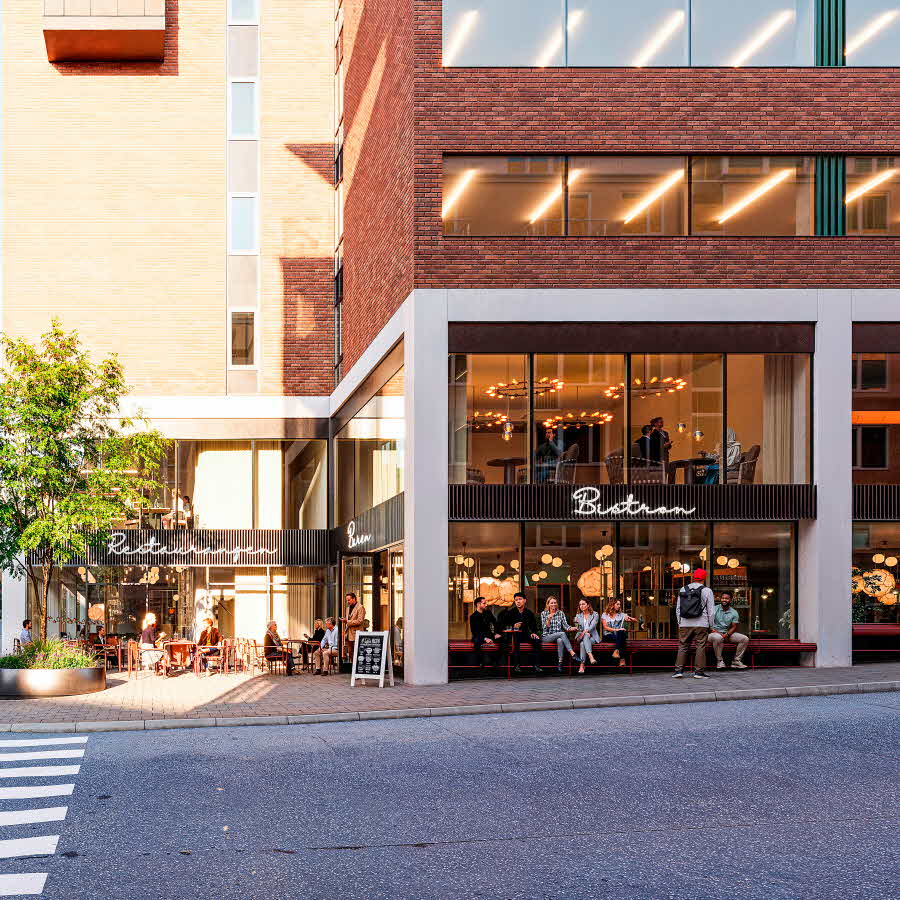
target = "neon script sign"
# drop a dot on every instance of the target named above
(118, 545)
(587, 503)
(354, 539)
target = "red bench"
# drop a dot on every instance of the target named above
(635, 647)
(865, 633)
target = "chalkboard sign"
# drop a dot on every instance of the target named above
(372, 657)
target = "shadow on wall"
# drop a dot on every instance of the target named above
(168, 65)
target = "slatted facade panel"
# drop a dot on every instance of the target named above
(558, 502)
(374, 529)
(876, 502)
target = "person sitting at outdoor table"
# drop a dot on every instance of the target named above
(485, 630)
(522, 625)
(328, 648)
(614, 628)
(208, 643)
(555, 628)
(586, 620)
(150, 638)
(314, 638)
(274, 650)
(724, 628)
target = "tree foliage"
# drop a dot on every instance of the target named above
(71, 464)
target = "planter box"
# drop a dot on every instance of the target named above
(51, 682)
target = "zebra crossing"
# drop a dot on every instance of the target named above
(42, 754)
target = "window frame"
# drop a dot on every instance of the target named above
(242, 367)
(857, 448)
(241, 195)
(254, 81)
(254, 20)
(857, 374)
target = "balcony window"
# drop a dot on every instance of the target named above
(876, 418)
(873, 33)
(873, 195)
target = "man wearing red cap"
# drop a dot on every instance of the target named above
(694, 614)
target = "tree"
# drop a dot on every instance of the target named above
(70, 463)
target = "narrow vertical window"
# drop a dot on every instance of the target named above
(242, 117)
(243, 327)
(243, 12)
(242, 228)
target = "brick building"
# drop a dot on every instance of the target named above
(555, 296)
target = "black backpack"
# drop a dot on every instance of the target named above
(691, 604)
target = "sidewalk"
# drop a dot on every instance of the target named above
(185, 700)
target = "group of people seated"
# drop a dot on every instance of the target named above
(324, 635)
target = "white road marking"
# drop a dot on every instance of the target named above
(22, 885)
(40, 742)
(29, 792)
(33, 846)
(41, 754)
(32, 816)
(38, 771)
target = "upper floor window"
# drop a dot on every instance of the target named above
(873, 33)
(873, 195)
(639, 33)
(876, 418)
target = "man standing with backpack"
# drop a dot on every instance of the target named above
(694, 614)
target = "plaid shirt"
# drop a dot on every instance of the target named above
(556, 622)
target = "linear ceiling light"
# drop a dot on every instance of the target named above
(755, 194)
(650, 198)
(555, 43)
(879, 23)
(870, 183)
(457, 191)
(460, 34)
(762, 37)
(660, 38)
(553, 196)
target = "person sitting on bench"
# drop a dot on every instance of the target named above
(586, 620)
(523, 626)
(484, 630)
(724, 628)
(614, 629)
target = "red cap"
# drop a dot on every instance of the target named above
(699, 574)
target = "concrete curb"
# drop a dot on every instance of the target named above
(811, 690)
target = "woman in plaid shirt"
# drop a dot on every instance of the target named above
(555, 627)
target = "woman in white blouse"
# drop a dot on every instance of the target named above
(614, 629)
(587, 620)
(555, 627)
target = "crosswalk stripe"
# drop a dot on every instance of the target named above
(38, 771)
(40, 742)
(28, 883)
(31, 791)
(32, 816)
(41, 754)
(33, 846)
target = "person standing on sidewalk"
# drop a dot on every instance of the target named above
(694, 614)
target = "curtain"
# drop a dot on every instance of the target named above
(775, 456)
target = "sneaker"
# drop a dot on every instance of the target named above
(720, 664)
(678, 674)
(700, 675)
(537, 669)
(517, 670)
(737, 664)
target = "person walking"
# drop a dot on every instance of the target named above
(614, 631)
(694, 613)
(586, 620)
(555, 628)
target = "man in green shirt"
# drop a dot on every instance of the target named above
(724, 628)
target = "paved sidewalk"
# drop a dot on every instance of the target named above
(222, 699)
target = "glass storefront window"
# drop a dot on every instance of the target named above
(873, 194)
(370, 452)
(502, 33)
(875, 573)
(639, 33)
(876, 418)
(873, 33)
(752, 195)
(762, 33)
(503, 195)
(578, 426)
(624, 195)
(484, 561)
(489, 399)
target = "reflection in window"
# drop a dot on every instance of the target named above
(752, 195)
(875, 575)
(873, 33)
(242, 332)
(876, 418)
(873, 195)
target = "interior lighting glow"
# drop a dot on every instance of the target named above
(552, 197)
(652, 196)
(762, 37)
(458, 189)
(460, 35)
(870, 183)
(659, 38)
(555, 43)
(755, 194)
(867, 32)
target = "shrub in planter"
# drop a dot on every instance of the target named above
(52, 654)
(50, 669)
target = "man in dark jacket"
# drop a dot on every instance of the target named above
(524, 628)
(484, 631)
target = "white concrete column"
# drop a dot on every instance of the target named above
(426, 508)
(825, 544)
(15, 591)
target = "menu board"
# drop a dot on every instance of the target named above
(372, 658)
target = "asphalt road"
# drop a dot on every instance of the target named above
(753, 799)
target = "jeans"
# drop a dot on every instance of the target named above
(562, 642)
(587, 644)
(717, 640)
(619, 638)
(685, 636)
(480, 656)
(518, 638)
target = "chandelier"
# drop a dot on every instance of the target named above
(583, 418)
(655, 386)
(517, 389)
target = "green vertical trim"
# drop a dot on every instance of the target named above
(831, 186)
(831, 17)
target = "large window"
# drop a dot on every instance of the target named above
(625, 195)
(876, 418)
(873, 33)
(873, 194)
(704, 418)
(638, 33)
(875, 573)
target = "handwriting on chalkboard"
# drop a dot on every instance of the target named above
(369, 650)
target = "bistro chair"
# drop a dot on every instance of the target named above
(177, 655)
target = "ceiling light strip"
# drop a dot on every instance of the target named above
(878, 24)
(460, 35)
(755, 194)
(762, 37)
(650, 198)
(659, 39)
